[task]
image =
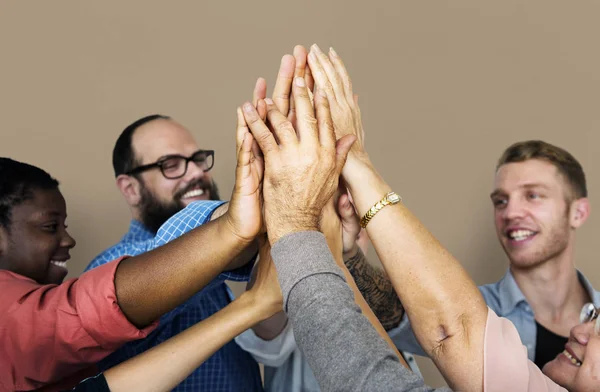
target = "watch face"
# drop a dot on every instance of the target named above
(394, 198)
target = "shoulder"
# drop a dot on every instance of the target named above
(491, 295)
(194, 215)
(15, 286)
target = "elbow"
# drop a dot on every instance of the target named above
(450, 335)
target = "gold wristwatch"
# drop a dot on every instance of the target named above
(390, 198)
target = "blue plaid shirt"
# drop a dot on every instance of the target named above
(230, 368)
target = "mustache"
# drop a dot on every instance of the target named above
(207, 186)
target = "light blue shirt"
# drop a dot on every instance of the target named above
(507, 300)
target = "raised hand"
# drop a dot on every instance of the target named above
(290, 68)
(245, 208)
(302, 167)
(331, 77)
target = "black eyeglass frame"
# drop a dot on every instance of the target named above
(159, 164)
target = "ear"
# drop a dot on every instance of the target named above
(130, 188)
(580, 210)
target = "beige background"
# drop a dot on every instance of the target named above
(444, 88)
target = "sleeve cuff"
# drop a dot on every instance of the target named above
(299, 255)
(99, 310)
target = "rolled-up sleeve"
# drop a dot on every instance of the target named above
(49, 332)
(271, 353)
(506, 366)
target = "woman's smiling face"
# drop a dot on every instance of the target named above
(577, 368)
(36, 243)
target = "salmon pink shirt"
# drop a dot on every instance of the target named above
(49, 332)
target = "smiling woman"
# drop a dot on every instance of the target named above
(34, 241)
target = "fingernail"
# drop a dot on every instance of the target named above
(300, 81)
(248, 107)
(269, 101)
(316, 48)
(312, 56)
(333, 52)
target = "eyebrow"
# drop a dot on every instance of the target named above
(50, 213)
(534, 185)
(177, 155)
(163, 157)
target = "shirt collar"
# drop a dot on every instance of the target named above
(594, 295)
(137, 232)
(511, 296)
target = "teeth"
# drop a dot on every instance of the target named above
(573, 360)
(62, 264)
(193, 193)
(520, 235)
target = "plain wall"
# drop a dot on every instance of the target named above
(444, 87)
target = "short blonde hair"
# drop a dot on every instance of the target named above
(566, 163)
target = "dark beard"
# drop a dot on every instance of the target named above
(155, 213)
(214, 192)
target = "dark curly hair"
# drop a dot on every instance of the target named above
(18, 180)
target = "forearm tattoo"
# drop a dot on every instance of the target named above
(376, 288)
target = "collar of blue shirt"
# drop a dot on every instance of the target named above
(510, 295)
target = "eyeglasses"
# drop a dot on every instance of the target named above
(175, 166)
(590, 313)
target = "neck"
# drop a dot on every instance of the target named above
(135, 214)
(553, 289)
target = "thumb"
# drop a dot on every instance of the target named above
(345, 210)
(342, 147)
(348, 217)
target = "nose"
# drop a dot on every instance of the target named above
(68, 241)
(581, 332)
(513, 210)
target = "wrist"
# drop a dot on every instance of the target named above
(276, 234)
(254, 302)
(281, 223)
(366, 187)
(355, 170)
(228, 230)
(350, 253)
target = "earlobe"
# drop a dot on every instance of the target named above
(130, 189)
(580, 211)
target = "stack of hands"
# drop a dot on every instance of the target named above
(297, 155)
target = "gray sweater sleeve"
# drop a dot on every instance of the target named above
(343, 349)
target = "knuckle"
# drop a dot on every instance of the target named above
(263, 137)
(308, 120)
(287, 126)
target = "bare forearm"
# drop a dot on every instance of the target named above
(377, 289)
(247, 254)
(446, 310)
(332, 230)
(165, 366)
(149, 285)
